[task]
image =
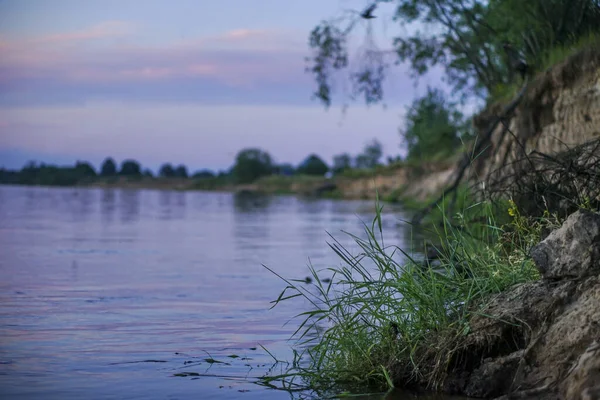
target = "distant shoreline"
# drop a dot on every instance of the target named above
(388, 184)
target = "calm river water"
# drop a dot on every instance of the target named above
(109, 294)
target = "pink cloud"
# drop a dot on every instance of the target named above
(107, 29)
(237, 34)
(247, 39)
(256, 55)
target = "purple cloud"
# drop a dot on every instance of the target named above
(91, 64)
(104, 62)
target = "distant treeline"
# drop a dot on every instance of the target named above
(83, 172)
(250, 164)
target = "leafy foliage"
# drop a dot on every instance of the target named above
(370, 156)
(108, 168)
(464, 37)
(166, 171)
(313, 165)
(51, 175)
(341, 162)
(251, 164)
(284, 169)
(331, 54)
(85, 169)
(203, 174)
(181, 171)
(130, 168)
(432, 127)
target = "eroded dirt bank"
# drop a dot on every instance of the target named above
(539, 340)
(560, 110)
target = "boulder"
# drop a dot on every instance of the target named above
(573, 250)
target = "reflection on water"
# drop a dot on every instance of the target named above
(251, 203)
(129, 209)
(108, 203)
(110, 293)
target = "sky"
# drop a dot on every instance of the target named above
(181, 81)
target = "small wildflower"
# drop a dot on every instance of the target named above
(512, 209)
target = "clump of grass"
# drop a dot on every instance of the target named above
(561, 53)
(506, 91)
(378, 321)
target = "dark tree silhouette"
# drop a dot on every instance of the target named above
(84, 169)
(251, 164)
(130, 168)
(370, 156)
(108, 168)
(341, 162)
(203, 174)
(313, 165)
(166, 171)
(181, 171)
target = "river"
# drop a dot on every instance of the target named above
(132, 294)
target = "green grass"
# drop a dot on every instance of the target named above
(505, 92)
(561, 53)
(381, 320)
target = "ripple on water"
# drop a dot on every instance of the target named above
(149, 294)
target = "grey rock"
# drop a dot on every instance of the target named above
(573, 250)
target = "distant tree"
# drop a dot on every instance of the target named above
(108, 168)
(371, 154)
(166, 171)
(361, 162)
(9, 176)
(203, 174)
(341, 162)
(130, 168)
(84, 169)
(392, 160)
(313, 165)
(432, 126)
(284, 169)
(251, 164)
(181, 171)
(147, 173)
(42, 174)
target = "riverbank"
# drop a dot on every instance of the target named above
(505, 303)
(497, 313)
(389, 183)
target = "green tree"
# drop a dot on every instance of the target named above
(181, 171)
(203, 174)
(84, 169)
(148, 173)
(464, 37)
(432, 127)
(166, 171)
(130, 168)
(251, 164)
(370, 156)
(313, 165)
(284, 169)
(341, 162)
(108, 168)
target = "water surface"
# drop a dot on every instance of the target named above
(113, 293)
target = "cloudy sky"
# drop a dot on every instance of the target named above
(183, 81)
